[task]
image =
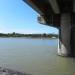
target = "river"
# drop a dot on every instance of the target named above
(34, 57)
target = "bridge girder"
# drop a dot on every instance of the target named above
(50, 10)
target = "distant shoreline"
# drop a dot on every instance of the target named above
(31, 37)
(18, 35)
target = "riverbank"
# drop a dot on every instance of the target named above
(5, 71)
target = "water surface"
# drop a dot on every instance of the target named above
(34, 57)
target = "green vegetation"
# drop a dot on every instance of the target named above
(29, 35)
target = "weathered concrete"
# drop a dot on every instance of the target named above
(73, 35)
(65, 35)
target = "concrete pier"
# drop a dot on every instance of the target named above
(65, 35)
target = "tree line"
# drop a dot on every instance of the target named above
(28, 35)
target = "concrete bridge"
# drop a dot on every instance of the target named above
(59, 14)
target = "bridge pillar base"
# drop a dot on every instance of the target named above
(64, 47)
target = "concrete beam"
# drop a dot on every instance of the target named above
(54, 6)
(33, 5)
(52, 20)
(41, 20)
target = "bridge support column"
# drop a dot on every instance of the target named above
(65, 35)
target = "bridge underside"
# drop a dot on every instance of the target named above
(50, 10)
(59, 14)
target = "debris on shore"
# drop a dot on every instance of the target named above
(5, 71)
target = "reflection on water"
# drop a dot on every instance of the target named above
(34, 56)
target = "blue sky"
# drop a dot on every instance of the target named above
(16, 16)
